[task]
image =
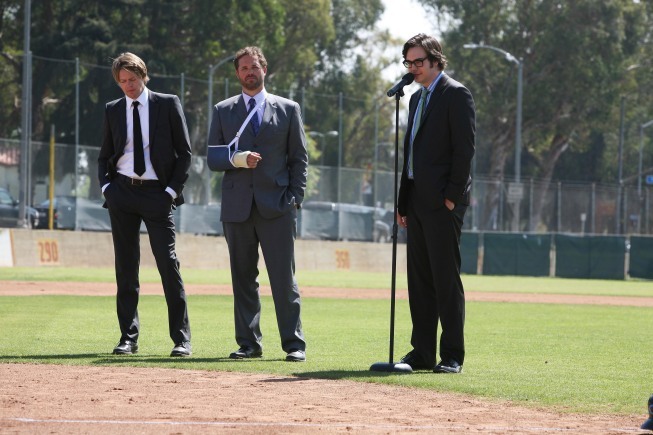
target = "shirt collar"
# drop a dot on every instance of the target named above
(259, 98)
(142, 98)
(434, 83)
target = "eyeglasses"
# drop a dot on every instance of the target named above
(417, 62)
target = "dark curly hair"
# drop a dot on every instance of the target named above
(430, 45)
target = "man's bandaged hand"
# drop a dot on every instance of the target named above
(240, 159)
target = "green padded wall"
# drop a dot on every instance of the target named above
(599, 257)
(469, 253)
(516, 254)
(641, 257)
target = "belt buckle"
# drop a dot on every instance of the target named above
(136, 181)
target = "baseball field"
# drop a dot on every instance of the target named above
(544, 355)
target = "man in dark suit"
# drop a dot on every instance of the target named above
(260, 198)
(433, 198)
(142, 167)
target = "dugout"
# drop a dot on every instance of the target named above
(598, 257)
(516, 254)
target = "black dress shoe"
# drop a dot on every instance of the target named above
(246, 352)
(448, 366)
(415, 362)
(181, 349)
(296, 355)
(126, 347)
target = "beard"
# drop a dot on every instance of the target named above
(251, 85)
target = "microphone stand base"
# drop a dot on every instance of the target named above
(391, 367)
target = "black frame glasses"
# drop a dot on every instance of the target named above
(417, 62)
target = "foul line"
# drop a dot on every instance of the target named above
(314, 425)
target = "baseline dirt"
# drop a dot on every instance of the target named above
(97, 400)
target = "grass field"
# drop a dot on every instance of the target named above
(586, 358)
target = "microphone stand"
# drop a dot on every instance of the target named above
(391, 366)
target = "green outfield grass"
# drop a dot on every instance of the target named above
(585, 358)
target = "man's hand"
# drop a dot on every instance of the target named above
(402, 220)
(246, 159)
(450, 205)
(253, 159)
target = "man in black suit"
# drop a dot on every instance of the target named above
(433, 198)
(142, 167)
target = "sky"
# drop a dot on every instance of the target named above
(404, 19)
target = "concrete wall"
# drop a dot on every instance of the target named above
(30, 248)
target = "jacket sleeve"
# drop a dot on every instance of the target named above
(297, 159)
(181, 144)
(463, 129)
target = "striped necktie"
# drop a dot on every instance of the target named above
(416, 123)
(254, 121)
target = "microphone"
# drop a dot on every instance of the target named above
(405, 80)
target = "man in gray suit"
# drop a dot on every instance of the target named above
(260, 198)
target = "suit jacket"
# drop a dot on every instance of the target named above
(278, 183)
(170, 151)
(443, 147)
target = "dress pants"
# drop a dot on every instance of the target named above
(435, 290)
(129, 205)
(277, 240)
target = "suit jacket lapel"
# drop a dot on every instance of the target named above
(153, 110)
(268, 112)
(121, 113)
(437, 93)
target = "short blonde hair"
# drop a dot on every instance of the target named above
(129, 62)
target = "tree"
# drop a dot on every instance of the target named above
(573, 54)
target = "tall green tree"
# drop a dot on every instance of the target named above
(574, 54)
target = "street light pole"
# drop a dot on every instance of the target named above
(212, 69)
(316, 134)
(518, 122)
(641, 154)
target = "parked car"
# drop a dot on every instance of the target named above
(332, 221)
(10, 209)
(71, 212)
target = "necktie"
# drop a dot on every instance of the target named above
(416, 123)
(139, 155)
(254, 121)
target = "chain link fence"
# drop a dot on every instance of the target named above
(543, 208)
(497, 205)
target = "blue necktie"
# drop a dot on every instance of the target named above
(254, 121)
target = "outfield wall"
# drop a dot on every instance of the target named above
(30, 248)
(561, 255)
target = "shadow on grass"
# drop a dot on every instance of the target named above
(347, 374)
(36, 358)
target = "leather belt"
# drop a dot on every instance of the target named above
(137, 181)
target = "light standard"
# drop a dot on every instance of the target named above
(212, 69)
(639, 176)
(641, 153)
(316, 134)
(376, 166)
(518, 191)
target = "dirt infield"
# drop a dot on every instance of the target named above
(95, 400)
(31, 288)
